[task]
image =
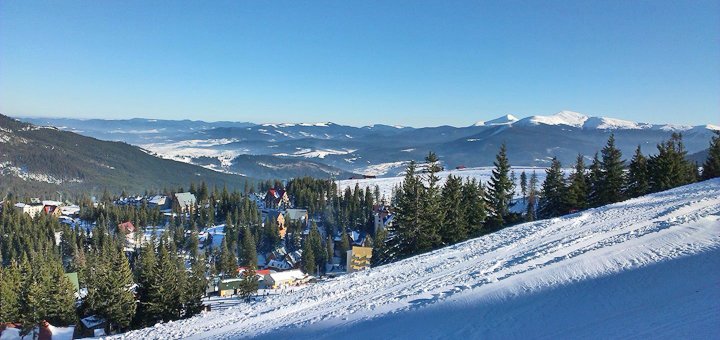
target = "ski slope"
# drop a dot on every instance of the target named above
(647, 267)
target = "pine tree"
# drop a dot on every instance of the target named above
(523, 186)
(595, 182)
(405, 231)
(711, 167)
(454, 227)
(249, 251)
(197, 284)
(10, 281)
(109, 288)
(30, 297)
(380, 255)
(474, 203)
(638, 176)
(60, 307)
(577, 191)
(249, 283)
(500, 189)
(431, 213)
(319, 251)
(552, 201)
(180, 293)
(227, 264)
(160, 302)
(669, 168)
(144, 275)
(530, 213)
(613, 174)
(308, 258)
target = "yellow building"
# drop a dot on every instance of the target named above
(358, 258)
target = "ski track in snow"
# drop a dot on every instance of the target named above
(517, 261)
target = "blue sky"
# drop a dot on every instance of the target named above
(417, 63)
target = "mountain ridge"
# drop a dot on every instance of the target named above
(36, 160)
(531, 141)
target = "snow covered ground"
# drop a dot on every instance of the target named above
(643, 268)
(482, 174)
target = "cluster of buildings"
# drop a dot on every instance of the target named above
(186, 201)
(52, 208)
(267, 279)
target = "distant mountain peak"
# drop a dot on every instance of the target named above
(604, 123)
(502, 120)
(319, 124)
(569, 118)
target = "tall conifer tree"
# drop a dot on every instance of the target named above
(613, 174)
(638, 176)
(500, 189)
(475, 204)
(530, 211)
(577, 191)
(552, 201)
(406, 229)
(454, 226)
(431, 213)
(711, 167)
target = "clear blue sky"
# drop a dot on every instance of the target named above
(416, 63)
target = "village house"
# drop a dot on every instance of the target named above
(358, 258)
(126, 227)
(92, 326)
(31, 209)
(286, 279)
(159, 201)
(185, 201)
(297, 215)
(70, 211)
(52, 210)
(277, 199)
(229, 287)
(279, 265)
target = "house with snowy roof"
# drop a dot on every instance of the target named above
(297, 215)
(186, 201)
(286, 278)
(31, 209)
(126, 227)
(279, 264)
(277, 199)
(159, 201)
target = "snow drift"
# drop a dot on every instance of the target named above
(646, 267)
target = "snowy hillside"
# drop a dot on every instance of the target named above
(642, 268)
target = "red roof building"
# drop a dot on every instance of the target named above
(126, 227)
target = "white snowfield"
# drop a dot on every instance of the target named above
(644, 268)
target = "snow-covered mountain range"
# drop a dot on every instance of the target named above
(643, 268)
(382, 150)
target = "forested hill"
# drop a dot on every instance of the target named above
(36, 161)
